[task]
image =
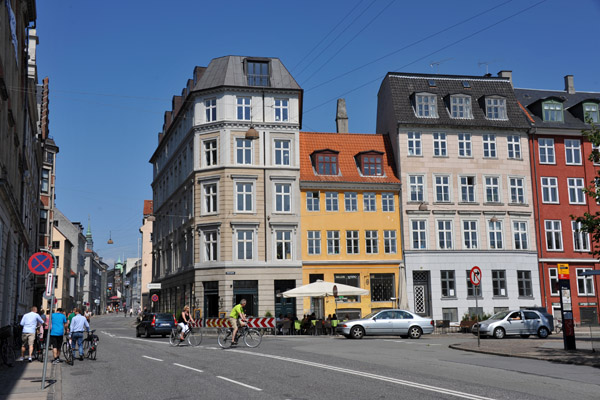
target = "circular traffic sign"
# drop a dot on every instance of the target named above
(475, 276)
(40, 263)
(154, 297)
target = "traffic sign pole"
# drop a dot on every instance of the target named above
(475, 277)
(49, 322)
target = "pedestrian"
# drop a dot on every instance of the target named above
(71, 316)
(78, 325)
(131, 312)
(30, 323)
(58, 323)
(88, 315)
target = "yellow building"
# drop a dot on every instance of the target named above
(350, 220)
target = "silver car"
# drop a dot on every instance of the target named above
(387, 322)
(517, 322)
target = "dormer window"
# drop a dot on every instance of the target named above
(258, 73)
(461, 107)
(590, 112)
(425, 105)
(371, 163)
(553, 111)
(326, 162)
(495, 108)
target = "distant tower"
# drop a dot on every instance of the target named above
(89, 242)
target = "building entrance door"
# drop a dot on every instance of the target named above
(284, 305)
(422, 293)
(247, 290)
(211, 299)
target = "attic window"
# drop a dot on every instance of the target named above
(590, 112)
(495, 108)
(425, 105)
(258, 73)
(432, 83)
(466, 84)
(371, 163)
(326, 162)
(553, 111)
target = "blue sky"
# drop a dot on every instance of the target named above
(115, 65)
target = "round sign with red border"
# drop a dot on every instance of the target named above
(475, 276)
(154, 297)
(40, 263)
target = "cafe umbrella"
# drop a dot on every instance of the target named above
(323, 289)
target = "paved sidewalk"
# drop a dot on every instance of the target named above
(23, 381)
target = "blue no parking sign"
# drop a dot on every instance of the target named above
(40, 263)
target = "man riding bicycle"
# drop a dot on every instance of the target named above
(237, 318)
(184, 319)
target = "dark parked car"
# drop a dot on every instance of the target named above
(155, 324)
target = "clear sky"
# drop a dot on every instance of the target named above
(115, 65)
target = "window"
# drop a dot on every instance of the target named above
(43, 222)
(573, 151)
(352, 242)
(314, 242)
(553, 111)
(210, 246)
(576, 193)
(442, 188)
(387, 202)
(327, 164)
(464, 145)
(514, 146)
(467, 189)
(210, 106)
(460, 107)
(283, 197)
(243, 151)
(549, 190)
(553, 235)
(499, 282)
(489, 146)
(369, 202)
(520, 235)
(282, 152)
(283, 244)
(546, 149)
(524, 282)
(281, 110)
(331, 201)
(312, 201)
(426, 106)
(585, 284)
(210, 198)
(416, 186)
(590, 112)
(450, 314)
(258, 73)
(517, 190)
(553, 276)
(351, 201)
(581, 239)
(414, 143)
(472, 290)
(45, 187)
(492, 189)
(389, 242)
(419, 234)
(470, 234)
(495, 232)
(448, 283)
(371, 242)
(333, 242)
(210, 152)
(439, 145)
(495, 108)
(382, 287)
(244, 195)
(372, 165)
(444, 231)
(351, 280)
(245, 244)
(243, 108)
(55, 245)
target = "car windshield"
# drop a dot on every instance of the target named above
(500, 315)
(164, 317)
(374, 313)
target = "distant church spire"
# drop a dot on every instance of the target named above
(89, 242)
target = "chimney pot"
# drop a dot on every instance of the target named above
(506, 74)
(569, 84)
(341, 117)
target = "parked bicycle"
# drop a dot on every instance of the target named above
(251, 336)
(7, 351)
(67, 350)
(90, 345)
(193, 336)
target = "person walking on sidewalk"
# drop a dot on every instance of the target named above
(30, 323)
(58, 323)
(78, 325)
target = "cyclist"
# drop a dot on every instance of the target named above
(237, 318)
(78, 325)
(184, 319)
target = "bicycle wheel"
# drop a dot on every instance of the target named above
(86, 345)
(224, 338)
(174, 338)
(252, 338)
(194, 337)
(67, 352)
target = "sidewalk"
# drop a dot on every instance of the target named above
(23, 381)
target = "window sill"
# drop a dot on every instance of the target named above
(493, 203)
(518, 205)
(468, 203)
(526, 297)
(415, 155)
(449, 298)
(446, 203)
(473, 298)
(434, 156)
(515, 158)
(499, 297)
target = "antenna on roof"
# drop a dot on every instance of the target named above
(487, 65)
(437, 64)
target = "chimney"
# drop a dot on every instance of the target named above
(569, 84)
(341, 117)
(506, 74)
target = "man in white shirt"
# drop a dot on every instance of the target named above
(78, 325)
(29, 322)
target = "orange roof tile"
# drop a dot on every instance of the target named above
(148, 206)
(529, 117)
(348, 145)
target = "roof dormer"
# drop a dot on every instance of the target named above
(370, 163)
(325, 162)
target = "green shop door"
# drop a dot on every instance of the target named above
(247, 290)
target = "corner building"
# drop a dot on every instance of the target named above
(225, 172)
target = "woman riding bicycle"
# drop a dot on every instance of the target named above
(184, 319)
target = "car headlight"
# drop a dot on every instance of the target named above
(483, 326)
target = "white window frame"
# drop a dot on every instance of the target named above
(281, 109)
(572, 151)
(549, 185)
(525, 283)
(553, 276)
(245, 194)
(369, 201)
(495, 108)
(421, 231)
(284, 195)
(440, 144)
(281, 153)
(390, 244)
(210, 247)
(313, 243)
(493, 183)
(333, 242)
(210, 207)
(332, 202)
(470, 236)
(210, 106)
(285, 238)
(460, 107)
(416, 188)
(576, 193)
(514, 147)
(553, 111)
(489, 145)
(445, 234)
(495, 234)
(312, 201)
(371, 242)
(472, 193)
(583, 238)
(516, 186)
(244, 106)
(414, 144)
(350, 201)
(520, 235)
(210, 154)
(388, 202)
(426, 105)
(443, 188)
(590, 110)
(553, 231)
(546, 151)
(588, 283)
(465, 145)
(244, 150)
(352, 242)
(244, 240)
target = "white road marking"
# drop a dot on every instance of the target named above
(369, 375)
(185, 366)
(417, 343)
(152, 358)
(238, 383)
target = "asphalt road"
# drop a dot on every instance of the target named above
(299, 367)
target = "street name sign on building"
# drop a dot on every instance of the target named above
(40, 263)
(154, 286)
(475, 276)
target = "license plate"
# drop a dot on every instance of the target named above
(164, 324)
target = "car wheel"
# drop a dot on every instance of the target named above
(543, 332)
(499, 333)
(525, 336)
(146, 333)
(415, 332)
(137, 332)
(357, 332)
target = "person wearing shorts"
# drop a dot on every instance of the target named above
(237, 318)
(58, 323)
(30, 323)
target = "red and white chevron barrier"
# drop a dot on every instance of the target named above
(217, 323)
(197, 324)
(261, 322)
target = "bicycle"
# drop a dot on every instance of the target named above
(251, 336)
(194, 338)
(7, 352)
(67, 350)
(90, 345)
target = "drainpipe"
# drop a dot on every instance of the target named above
(532, 131)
